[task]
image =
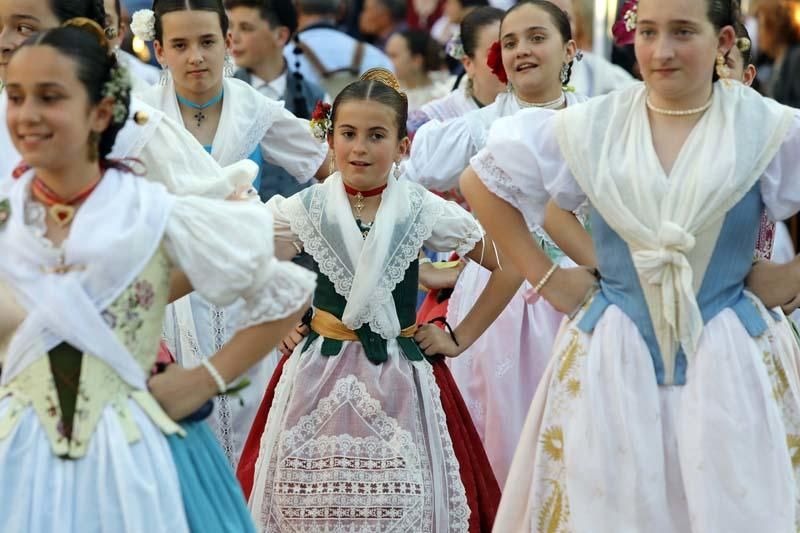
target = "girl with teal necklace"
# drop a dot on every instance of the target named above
(233, 122)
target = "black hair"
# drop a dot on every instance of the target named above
(275, 12)
(723, 13)
(96, 64)
(420, 43)
(473, 23)
(162, 7)
(741, 35)
(69, 9)
(375, 91)
(559, 18)
(473, 3)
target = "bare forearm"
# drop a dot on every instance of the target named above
(508, 228)
(570, 235)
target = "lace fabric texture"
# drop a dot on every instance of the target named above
(357, 450)
(325, 238)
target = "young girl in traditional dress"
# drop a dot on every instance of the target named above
(81, 427)
(364, 432)
(232, 121)
(671, 402)
(168, 151)
(498, 375)
(478, 85)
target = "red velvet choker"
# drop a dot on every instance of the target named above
(364, 194)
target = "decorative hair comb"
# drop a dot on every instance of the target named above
(384, 76)
(83, 23)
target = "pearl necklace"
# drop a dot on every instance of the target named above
(558, 103)
(678, 112)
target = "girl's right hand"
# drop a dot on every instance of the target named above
(570, 288)
(293, 339)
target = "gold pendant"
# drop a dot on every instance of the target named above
(359, 204)
(62, 214)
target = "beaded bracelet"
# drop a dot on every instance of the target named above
(539, 286)
(215, 375)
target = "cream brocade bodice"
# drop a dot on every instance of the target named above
(136, 318)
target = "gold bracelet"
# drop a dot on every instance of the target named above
(539, 286)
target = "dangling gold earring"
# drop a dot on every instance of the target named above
(723, 70)
(332, 163)
(94, 146)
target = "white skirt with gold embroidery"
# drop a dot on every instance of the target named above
(604, 449)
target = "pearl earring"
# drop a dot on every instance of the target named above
(397, 171)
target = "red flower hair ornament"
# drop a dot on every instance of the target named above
(624, 29)
(321, 123)
(495, 62)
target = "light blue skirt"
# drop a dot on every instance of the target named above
(212, 497)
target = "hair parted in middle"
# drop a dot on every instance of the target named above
(377, 85)
(162, 7)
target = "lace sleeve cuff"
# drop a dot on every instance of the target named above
(287, 288)
(502, 185)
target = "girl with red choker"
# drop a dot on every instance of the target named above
(367, 395)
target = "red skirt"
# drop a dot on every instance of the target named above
(483, 492)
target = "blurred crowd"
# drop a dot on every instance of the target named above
(412, 36)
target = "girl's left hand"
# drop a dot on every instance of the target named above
(181, 391)
(435, 341)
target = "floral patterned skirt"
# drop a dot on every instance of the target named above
(605, 449)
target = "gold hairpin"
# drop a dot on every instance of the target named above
(382, 75)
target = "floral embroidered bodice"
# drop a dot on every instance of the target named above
(136, 318)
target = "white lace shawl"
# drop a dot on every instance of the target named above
(662, 217)
(67, 307)
(250, 119)
(366, 271)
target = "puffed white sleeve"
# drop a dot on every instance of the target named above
(440, 153)
(226, 250)
(523, 165)
(172, 156)
(289, 144)
(780, 183)
(282, 223)
(454, 228)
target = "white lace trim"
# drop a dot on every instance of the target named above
(459, 510)
(258, 127)
(495, 178)
(287, 290)
(378, 480)
(36, 220)
(305, 223)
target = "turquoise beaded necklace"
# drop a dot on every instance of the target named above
(200, 116)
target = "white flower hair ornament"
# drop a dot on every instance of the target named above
(118, 88)
(143, 24)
